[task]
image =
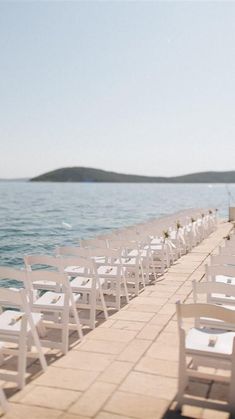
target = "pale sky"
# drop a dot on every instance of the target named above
(136, 87)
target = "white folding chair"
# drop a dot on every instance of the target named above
(18, 325)
(41, 262)
(57, 303)
(206, 347)
(111, 270)
(86, 281)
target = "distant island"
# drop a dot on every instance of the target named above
(87, 174)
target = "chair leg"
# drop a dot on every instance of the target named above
(37, 343)
(77, 320)
(182, 379)
(65, 330)
(232, 390)
(3, 401)
(126, 290)
(93, 310)
(118, 295)
(142, 274)
(22, 360)
(101, 295)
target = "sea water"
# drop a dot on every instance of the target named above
(37, 217)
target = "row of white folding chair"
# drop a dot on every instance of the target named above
(130, 257)
(108, 268)
(155, 257)
(206, 347)
(84, 288)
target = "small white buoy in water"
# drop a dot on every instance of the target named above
(66, 225)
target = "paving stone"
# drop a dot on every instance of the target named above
(67, 378)
(160, 319)
(70, 416)
(85, 361)
(128, 325)
(112, 335)
(138, 316)
(160, 351)
(149, 308)
(134, 350)
(93, 399)
(149, 332)
(136, 405)
(103, 346)
(219, 391)
(214, 414)
(145, 300)
(150, 385)
(19, 411)
(108, 415)
(52, 398)
(158, 366)
(192, 412)
(116, 372)
(108, 323)
(168, 308)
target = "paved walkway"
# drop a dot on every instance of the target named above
(127, 367)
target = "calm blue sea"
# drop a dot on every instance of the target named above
(36, 217)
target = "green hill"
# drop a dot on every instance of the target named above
(87, 174)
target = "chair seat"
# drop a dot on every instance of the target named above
(156, 241)
(198, 340)
(74, 270)
(227, 298)
(107, 271)
(84, 283)
(10, 321)
(129, 262)
(53, 300)
(134, 253)
(226, 279)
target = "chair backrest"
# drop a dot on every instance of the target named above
(108, 254)
(73, 251)
(8, 273)
(227, 250)
(79, 262)
(222, 260)
(214, 270)
(10, 298)
(123, 244)
(207, 311)
(212, 287)
(37, 261)
(47, 279)
(93, 243)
